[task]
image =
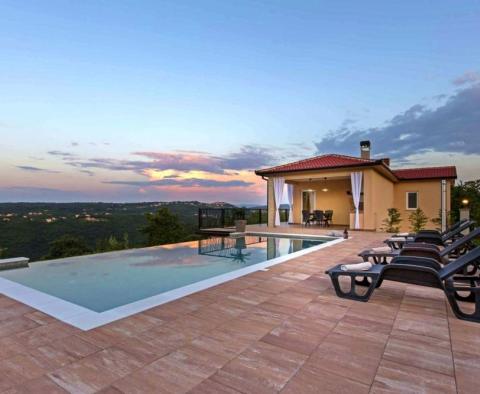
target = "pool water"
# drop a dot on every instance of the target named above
(101, 282)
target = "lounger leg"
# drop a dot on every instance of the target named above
(451, 292)
(352, 294)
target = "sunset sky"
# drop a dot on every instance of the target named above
(181, 100)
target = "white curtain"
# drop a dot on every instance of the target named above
(278, 183)
(356, 191)
(290, 202)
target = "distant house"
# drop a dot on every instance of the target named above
(359, 190)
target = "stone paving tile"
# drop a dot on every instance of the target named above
(209, 386)
(299, 333)
(262, 368)
(95, 371)
(352, 357)
(42, 335)
(41, 385)
(307, 382)
(64, 351)
(399, 378)
(420, 354)
(467, 371)
(278, 330)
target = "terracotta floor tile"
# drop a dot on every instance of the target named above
(251, 296)
(166, 375)
(262, 368)
(209, 386)
(299, 334)
(425, 325)
(16, 325)
(467, 371)
(141, 350)
(222, 343)
(364, 328)
(325, 311)
(465, 336)
(18, 370)
(42, 335)
(63, 351)
(41, 385)
(9, 347)
(96, 371)
(399, 378)
(421, 355)
(40, 317)
(307, 382)
(292, 299)
(352, 357)
(14, 310)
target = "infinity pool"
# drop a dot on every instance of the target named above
(105, 281)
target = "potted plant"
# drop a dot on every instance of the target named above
(239, 220)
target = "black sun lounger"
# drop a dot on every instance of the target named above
(422, 272)
(419, 249)
(434, 232)
(432, 238)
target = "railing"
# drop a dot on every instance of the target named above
(225, 217)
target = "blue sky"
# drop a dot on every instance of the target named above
(91, 92)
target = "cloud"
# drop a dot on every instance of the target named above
(74, 143)
(189, 182)
(467, 78)
(62, 154)
(452, 127)
(88, 172)
(37, 169)
(39, 194)
(246, 158)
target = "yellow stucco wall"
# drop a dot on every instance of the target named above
(429, 199)
(378, 197)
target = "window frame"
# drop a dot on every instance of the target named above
(407, 195)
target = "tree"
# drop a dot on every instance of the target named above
(67, 246)
(163, 227)
(417, 220)
(392, 222)
(112, 243)
(2, 252)
(471, 192)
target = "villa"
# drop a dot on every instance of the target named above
(359, 190)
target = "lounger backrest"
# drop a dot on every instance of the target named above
(459, 264)
(465, 225)
(454, 226)
(460, 242)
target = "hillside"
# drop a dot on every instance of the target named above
(26, 229)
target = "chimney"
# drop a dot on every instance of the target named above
(365, 150)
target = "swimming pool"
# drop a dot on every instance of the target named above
(133, 280)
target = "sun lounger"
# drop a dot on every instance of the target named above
(432, 238)
(384, 254)
(419, 271)
(436, 232)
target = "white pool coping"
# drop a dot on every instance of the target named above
(86, 319)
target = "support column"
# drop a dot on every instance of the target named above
(270, 203)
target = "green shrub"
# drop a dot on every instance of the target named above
(392, 223)
(417, 220)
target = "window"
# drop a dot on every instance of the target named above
(412, 200)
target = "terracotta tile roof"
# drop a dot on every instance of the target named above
(331, 161)
(426, 173)
(319, 162)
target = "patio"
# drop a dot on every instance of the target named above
(281, 330)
